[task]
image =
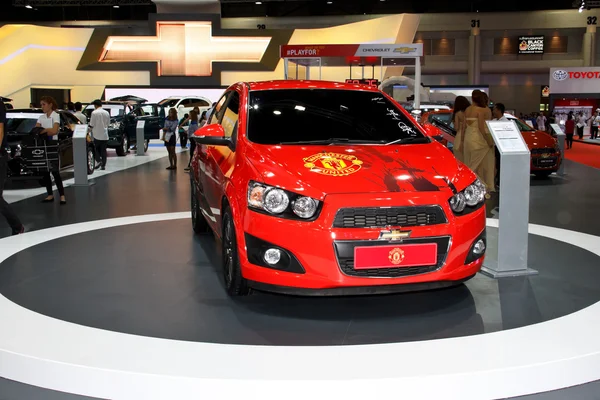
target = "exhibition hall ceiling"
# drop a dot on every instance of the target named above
(59, 10)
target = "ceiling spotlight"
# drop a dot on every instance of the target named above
(330, 2)
(116, 6)
(258, 3)
(28, 6)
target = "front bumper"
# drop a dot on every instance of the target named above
(325, 254)
(546, 162)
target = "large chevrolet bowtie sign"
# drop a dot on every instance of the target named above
(184, 49)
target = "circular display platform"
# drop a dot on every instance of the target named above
(159, 279)
(95, 308)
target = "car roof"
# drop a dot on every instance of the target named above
(307, 84)
(30, 112)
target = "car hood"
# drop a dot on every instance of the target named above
(538, 139)
(320, 170)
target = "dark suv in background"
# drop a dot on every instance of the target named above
(124, 116)
(19, 124)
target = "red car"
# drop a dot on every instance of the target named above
(323, 188)
(545, 153)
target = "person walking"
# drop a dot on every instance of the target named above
(581, 123)
(595, 124)
(80, 115)
(99, 121)
(569, 130)
(5, 209)
(479, 144)
(541, 122)
(170, 137)
(460, 124)
(50, 122)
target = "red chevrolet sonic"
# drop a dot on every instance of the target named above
(323, 188)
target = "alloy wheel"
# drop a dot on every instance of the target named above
(90, 160)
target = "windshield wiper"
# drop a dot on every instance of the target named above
(331, 141)
(409, 140)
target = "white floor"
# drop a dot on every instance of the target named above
(113, 164)
(54, 354)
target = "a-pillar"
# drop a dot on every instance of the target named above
(475, 57)
(589, 46)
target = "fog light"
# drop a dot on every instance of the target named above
(479, 247)
(272, 256)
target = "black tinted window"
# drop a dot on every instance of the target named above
(444, 117)
(20, 125)
(289, 116)
(231, 115)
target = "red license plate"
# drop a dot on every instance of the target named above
(399, 256)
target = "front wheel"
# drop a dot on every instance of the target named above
(91, 161)
(235, 283)
(123, 147)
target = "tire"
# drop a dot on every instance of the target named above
(123, 147)
(543, 174)
(199, 223)
(235, 284)
(91, 161)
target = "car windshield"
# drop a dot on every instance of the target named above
(523, 127)
(115, 110)
(328, 116)
(21, 124)
(443, 117)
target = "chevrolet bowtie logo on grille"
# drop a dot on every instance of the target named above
(394, 234)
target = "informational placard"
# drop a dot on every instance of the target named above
(531, 44)
(508, 137)
(557, 129)
(140, 124)
(80, 131)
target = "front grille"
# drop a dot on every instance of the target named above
(377, 217)
(345, 255)
(545, 150)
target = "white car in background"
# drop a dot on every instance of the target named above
(184, 105)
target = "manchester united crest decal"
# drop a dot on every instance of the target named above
(396, 256)
(333, 164)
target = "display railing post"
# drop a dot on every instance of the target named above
(513, 219)
(80, 155)
(140, 138)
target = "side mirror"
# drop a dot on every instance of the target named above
(212, 135)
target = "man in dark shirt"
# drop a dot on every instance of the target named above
(5, 209)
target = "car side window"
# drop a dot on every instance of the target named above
(231, 115)
(217, 113)
(199, 103)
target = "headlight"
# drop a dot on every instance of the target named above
(114, 125)
(17, 151)
(469, 199)
(281, 202)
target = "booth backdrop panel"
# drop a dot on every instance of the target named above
(47, 57)
(392, 29)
